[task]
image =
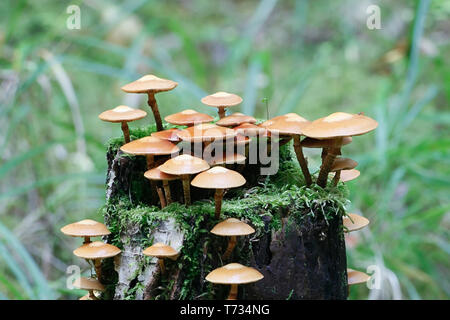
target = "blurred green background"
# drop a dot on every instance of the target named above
(308, 57)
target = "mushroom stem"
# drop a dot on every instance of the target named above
(301, 159)
(166, 187)
(150, 161)
(327, 164)
(221, 112)
(162, 267)
(87, 240)
(126, 131)
(154, 105)
(218, 196)
(161, 197)
(336, 178)
(324, 153)
(233, 292)
(92, 295)
(231, 244)
(186, 188)
(283, 141)
(98, 268)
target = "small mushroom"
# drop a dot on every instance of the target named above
(235, 119)
(183, 166)
(341, 164)
(231, 228)
(218, 178)
(151, 85)
(169, 134)
(86, 228)
(222, 100)
(96, 251)
(157, 175)
(356, 277)
(234, 274)
(90, 284)
(123, 114)
(249, 129)
(348, 175)
(353, 222)
(188, 118)
(160, 250)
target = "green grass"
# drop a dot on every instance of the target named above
(309, 57)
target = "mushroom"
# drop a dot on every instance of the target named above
(356, 277)
(169, 134)
(234, 274)
(160, 250)
(151, 85)
(353, 222)
(249, 129)
(341, 164)
(228, 159)
(86, 228)
(336, 126)
(96, 251)
(222, 100)
(157, 175)
(89, 284)
(218, 178)
(232, 228)
(188, 118)
(235, 119)
(348, 175)
(122, 114)
(292, 125)
(183, 166)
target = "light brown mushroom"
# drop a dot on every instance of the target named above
(89, 284)
(356, 277)
(123, 114)
(232, 228)
(218, 178)
(235, 119)
(188, 118)
(340, 164)
(161, 251)
(183, 166)
(349, 175)
(151, 85)
(249, 129)
(169, 134)
(86, 228)
(227, 159)
(222, 100)
(353, 222)
(234, 274)
(157, 175)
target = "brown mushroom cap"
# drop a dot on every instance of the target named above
(149, 83)
(160, 250)
(249, 129)
(87, 297)
(157, 174)
(88, 284)
(348, 175)
(316, 143)
(96, 250)
(228, 159)
(188, 117)
(356, 277)
(149, 145)
(218, 178)
(234, 273)
(232, 227)
(270, 121)
(122, 114)
(184, 164)
(288, 125)
(85, 228)
(235, 119)
(169, 134)
(222, 99)
(354, 222)
(206, 132)
(241, 140)
(340, 124)
(343, 164)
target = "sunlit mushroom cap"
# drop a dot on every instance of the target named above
(184, 164)
(348, 175)
(354, 222)
(121, 114)
(85, 228)
(270, 121)
(88, 284)
(356, 277)
(227, 159)
(96, 250)
(206, 132)
(149, 83)
(149, 145)
(169, 134)
(340, 124)
(249, 129)
(160, 250)
(222, 99)
(218, 178)
(232, 227)
(157, 174)
(343, 164)
(316, 143)
(188, 117)
(234, 273)
(235, 119)
(288, 125)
